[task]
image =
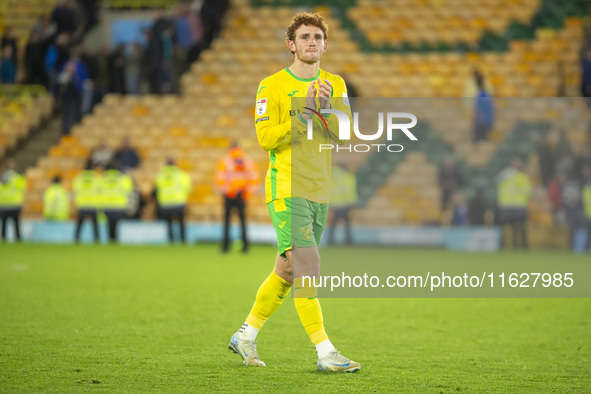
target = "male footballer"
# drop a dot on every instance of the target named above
(298, 201)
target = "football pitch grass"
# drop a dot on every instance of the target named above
(139, 319)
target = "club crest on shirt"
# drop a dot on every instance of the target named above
(261, 106)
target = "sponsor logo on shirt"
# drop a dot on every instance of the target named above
(261, 119)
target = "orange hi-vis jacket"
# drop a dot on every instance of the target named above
(235, 173)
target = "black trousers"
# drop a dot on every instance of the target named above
(229, 205)
(574, 219)
(481, 132)
(342, 213)
(154, 81)
(70, 112)
(113, 217)
(169, 214)
(515, 218)
(13, 214)
(83, 214)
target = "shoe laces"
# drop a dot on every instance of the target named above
(336, 355)
(251, 344)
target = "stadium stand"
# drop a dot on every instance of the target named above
(22, 109)
(20, 15)
(139, 4)
(423, 49)
(415, 21)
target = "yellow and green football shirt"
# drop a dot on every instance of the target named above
(276, 120)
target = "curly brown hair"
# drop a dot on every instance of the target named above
(308, 19)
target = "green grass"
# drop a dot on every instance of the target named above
(138, 319)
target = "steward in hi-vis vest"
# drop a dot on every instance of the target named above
(173, 186)
(12, 194)
(56, 202)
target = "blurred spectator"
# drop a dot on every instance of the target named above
(117, 70)
(197, 33)
(581, 161)
(189, 38)
(586, 42)
(586, 199)
(351, 89)
(564, 164)
(94, 87)
(72, 83)
(153, 55)
(471, 88)
(183, 34)
(87, 94)
(116, 190)
(450, 180)
(236, 177)
(160, 47)
(56, 56)
(459, 210)
(9, 40)
(562, 146)
(546, 156)
(484, 110)
(100, 75)
(477, 208)
(87, 190)
(563, 154)
(514, 190)
(7, 66)
(586, 77)
(64, 17)
(133, 68)
(172, 192)
(90, 8)
(212, 13)
(137, 202)
(44, 27)
(554, 190)
(34, 60)
(167, 61)
(56, 201)
(571, 202)
(127, 156)
(161, 22)
(101, 155)
(343, 197)
(12, 194)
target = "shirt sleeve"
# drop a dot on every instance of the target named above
(270, 132)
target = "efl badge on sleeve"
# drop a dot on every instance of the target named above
(261, 106)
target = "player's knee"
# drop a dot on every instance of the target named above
(283, 268)
(284, 273)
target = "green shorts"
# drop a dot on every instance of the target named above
(297, 222)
